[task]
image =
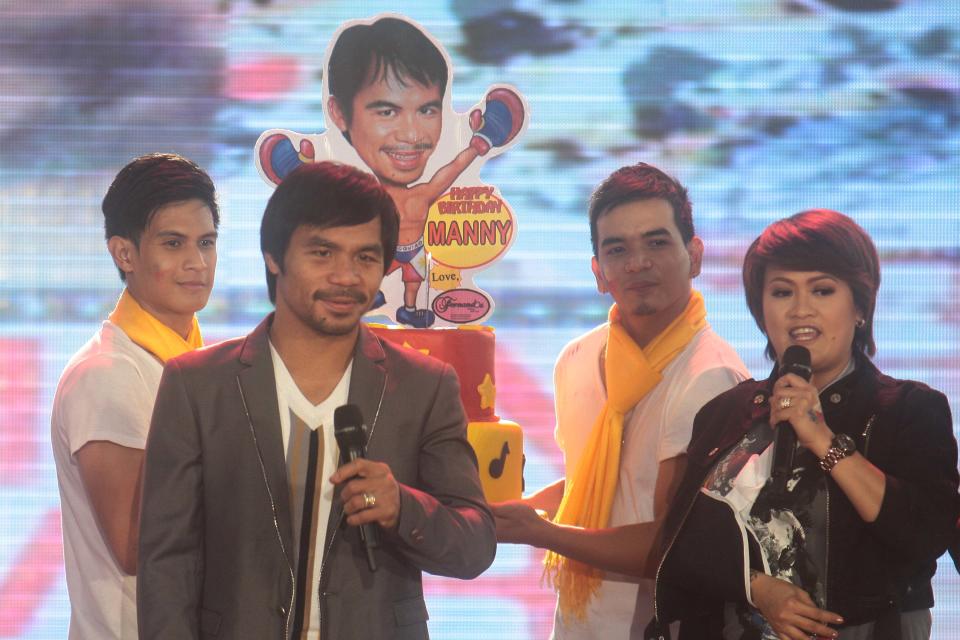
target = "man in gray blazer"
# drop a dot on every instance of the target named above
(248, 527)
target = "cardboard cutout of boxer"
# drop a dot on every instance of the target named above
(386, 98)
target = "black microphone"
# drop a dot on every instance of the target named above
(795, 360)
(351, 435)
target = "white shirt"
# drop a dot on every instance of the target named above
(319, 416)
(656, 429)
(105, 393)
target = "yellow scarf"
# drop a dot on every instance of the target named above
(150, 333)
(631, 372)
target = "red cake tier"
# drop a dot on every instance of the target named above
(469, 349)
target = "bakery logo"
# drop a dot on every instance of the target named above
(461, 305)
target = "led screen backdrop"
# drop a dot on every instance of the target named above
(762, 107)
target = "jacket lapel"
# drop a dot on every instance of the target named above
(367, 382)
(259, 388)
(367, 385)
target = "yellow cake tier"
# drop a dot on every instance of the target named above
(499, 449)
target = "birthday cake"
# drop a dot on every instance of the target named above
(470, 350)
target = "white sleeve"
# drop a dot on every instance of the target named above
(106, 398)
(687, 400)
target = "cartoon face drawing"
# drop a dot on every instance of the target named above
(386, 97)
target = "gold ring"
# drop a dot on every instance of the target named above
(786, 402)
(369, 500)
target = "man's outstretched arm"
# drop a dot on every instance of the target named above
(630, 549)
(495, 125)
(547, 499)
(444, 177)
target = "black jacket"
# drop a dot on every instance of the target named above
(873, 569)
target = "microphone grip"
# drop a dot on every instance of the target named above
(784, 446)
(369, 535)
(796, 360)
(369, 532)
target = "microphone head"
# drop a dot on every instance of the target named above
(348, 428)
(796, 360)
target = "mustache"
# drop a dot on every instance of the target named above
(419, 146)
(328, 294)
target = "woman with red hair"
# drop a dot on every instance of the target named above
(836, 535)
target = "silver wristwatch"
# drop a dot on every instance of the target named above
(841, 446)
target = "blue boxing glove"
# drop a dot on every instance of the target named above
(499, 122)
(278, 156)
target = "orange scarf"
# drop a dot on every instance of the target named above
(150, 333)
(631, 372)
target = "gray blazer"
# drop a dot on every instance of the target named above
(215, 532)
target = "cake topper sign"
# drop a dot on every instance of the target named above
(387, 101)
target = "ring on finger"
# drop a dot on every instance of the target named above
(369, 500)
(786, 402)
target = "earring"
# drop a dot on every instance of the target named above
(861, 323)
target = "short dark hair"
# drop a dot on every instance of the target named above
(641, 181)
(324, 195)
(817, 240)
(149, 183)
(366, 52)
